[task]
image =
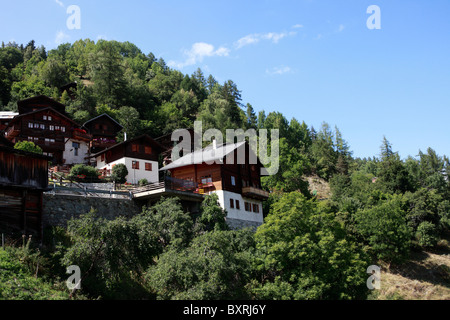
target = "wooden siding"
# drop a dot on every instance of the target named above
(22, 169)
(21, 210)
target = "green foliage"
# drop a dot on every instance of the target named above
(212, 215)
(216, 266)
(384, 228)
(143, 182)
(82, 172)
(119, 173)
(19, 280)
(28, 146)
(427, 234)
(304, 254)
(110, 254)
(173, 225)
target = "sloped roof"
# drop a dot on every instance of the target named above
(206, 155)
(101, 116)
(155, 143)
(15, 119)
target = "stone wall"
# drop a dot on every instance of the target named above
(58, 209)
(236, 224)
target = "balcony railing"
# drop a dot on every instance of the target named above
(252, 192)
(103, 143)
(81, 135)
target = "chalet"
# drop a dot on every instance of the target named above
(40, 102)
(167, 142)
(23, 179)
(104, 130)
(140, 155)
(5, 118)
(216, 169)
(59, 136)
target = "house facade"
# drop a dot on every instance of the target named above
(139, 155)
(51, 130)
(104, 130)
(227, 171)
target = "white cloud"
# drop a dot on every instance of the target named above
(341, 28)
(296, 26)
(279, 70)
(275, 37)
(198, 52)
(61, 37)
(60, 3)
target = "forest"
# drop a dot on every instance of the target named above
(380, 208)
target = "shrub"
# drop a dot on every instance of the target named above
(427, 234)
(119, 173)
(384, 228)
(81, 172)
(28, 146)
(143, 182)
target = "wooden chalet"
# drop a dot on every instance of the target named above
(140, 155)
(23, 179)
(104, 130)
(40, 102)
(228, 171)
(47, 128)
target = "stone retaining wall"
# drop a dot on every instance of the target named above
(58, 209)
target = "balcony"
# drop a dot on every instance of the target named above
(255, 193)
(12, 132)
(79, 135)
(103, 143)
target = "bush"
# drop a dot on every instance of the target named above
(28, 146)
(384, 228)
(119, 173)
(143, 182)
(427, 234)
(81, 172)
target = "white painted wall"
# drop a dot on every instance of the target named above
(134, 175)
(69, 152)
(241, 214)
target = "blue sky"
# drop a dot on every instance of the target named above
(314, 60)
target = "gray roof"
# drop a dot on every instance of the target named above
(8, 114)
(207, 155)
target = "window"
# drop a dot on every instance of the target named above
(75, 146)
(231, 203)
(36, 139)
(42, 126)
(148, 150)
(248, 206)
(57, 128)
(102, 158)
(97, 126)
(256, 208)
(233, 181)
(44, 117)
(148, 166)
(63, 129)
(51, 127)
(105, 127)
(49, 118)
(135, 165)
(30, 125)
(206, 179)
(238, 205)
(135, 148)
(30, 138)
(36, 125)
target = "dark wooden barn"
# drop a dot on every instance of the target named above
(23, 179)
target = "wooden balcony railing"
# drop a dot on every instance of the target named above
(252, 192)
